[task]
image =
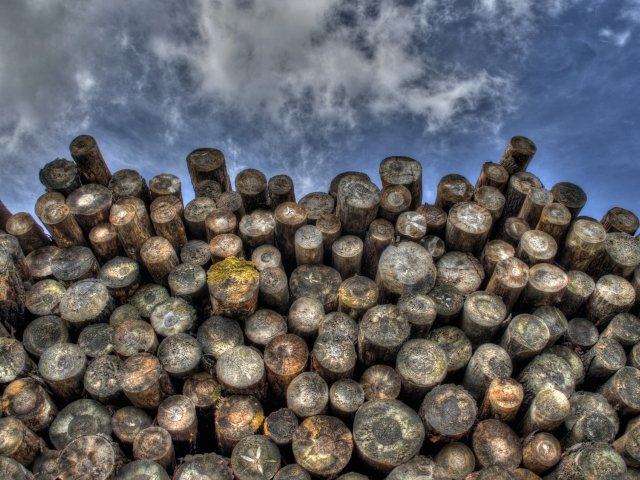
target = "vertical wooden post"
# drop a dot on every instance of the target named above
(394, 200)
(452, 189)
(208, 164)
(129, 183)
(554, 220)
(518, 154)
(289, 217)
(379, 236)
(281, 190)
(317, 204)
(195, 214)
(403, 171)
(165, 184)
(358, 203)
(133, 231)
(93, 169)
(468, 227)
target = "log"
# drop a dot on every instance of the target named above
(133, 337)
(404, 268)
(434, 245)
(331, 229)
(232, 201)
(448, 412)
(620, 220)
(309, 248)
(274, 289)
(318, 282)
(165, 184)
(624, 328)
(93, 169)
(627, 444)
(208, 164)
(340, 323)
(180, 356)
(171, 201)
(62, 366)
(305, 317)
(195, 214)
(90, 205)
(502, 401)
(512, 230)
(436, 219)
(524, 338)
(591, 419)
(455, 344)
(147, 297)
(129, 183)
(143, 469)
(380, 382)
(285, 357)
(289, 217)
(488, 362)
(333, 357)
(101, 380)
(534, 204)
(73, 264)
(611, 296)
(622, 391)
(417, 467)
(580, 286)
(604, 359)
(358, 202)
(546, 286)
(30, 235)
(620, 255)
(189, 282)
(493, 252)
(345, 398)
(536, 247)
(196, 253)
(256, 229)
(357, 295)
(105, 242)
(453, 189)
(39, 262)
(554, 220)
(167, 224)
(281, 190)
(456, 459)
(12, 294)
(95, 340)
(154, 444)
(122, 277)
(205, 393)
(316, 205)
(491, 199)
(335, 183)
(225, 246)
(555, 320)
(292, 472)
(280, 426)
(91, 456)
(144, 382)
(43, 298)
(509, 279)
(44, 201)
(322, 445)
(482, 316)
(420, 311)
(387, 433)
(85, 303)
(590, 461)
(122, 314)
(308, 395)
(80, 418)
(403, 171)
(14, 249)
(4, 215)
(209, 189)
(379, 236)
(62, 226)
(448, 303)
(132, 229)
(233, 288)
(494, 443)
(460, 270)
(267, 256)
(541, 453)
(519, 186)
(219, 222)
(569, 195)
(19, 443)
(383, 330)
(26, 400)
(255, 457)
(584, 241)
(411, 226)
(263, 326)
(493, 175)
(177, 415)
(240, 371)
(518, 154)
(346, 256)
(45, 466)
(546, 413)
(43, 333)
(251, 184)
(394, 200)
(237, 417)
(218, 334)
(546, 371)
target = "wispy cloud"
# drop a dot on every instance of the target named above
(618, 38)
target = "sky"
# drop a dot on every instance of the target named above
(312, 88)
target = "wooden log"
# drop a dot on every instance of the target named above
(518, 154)
(189, 282)
(164, 201)
(95, 340)
(611, 296)
(196, 253)
(43, 298)
(205, 465)
(44, 201)
(274, 289)
(346, 396)
(635, 283)
(524, 338)
(335, 183)
(620, 220)
(195, 213)
(546, 371)
(383, 330)
(101, 380)
(347, 256)
(502, 400)
(289, 217)
(403, 171)
(80, 418)
(255, 457)
(604, 359)
(133, 337)
(251, 184)
(519, 186)
(316, 281)
(143, 469)
(624, 328)
(159, 258)
(555, 320)
(580, 286)
(233, 288)
(131, 229)
(280, 426)
(309, 248)
(12, 294)
(468, 227)
(436, 219)
(240, 371)
(204, 392)
(147, 297)
(482, 316)
(30, 235)
(448, 304)
(434, 245)
(122, 277)
(387, 433)
(488, 362)
(584, 241)
(534, 204)
(105, 242)
(453, 189)
(331, 229)
(285, 357)
(541, 453)
(218, 334)
(73, 264)
(180, 356)
(177, 415)
(144, 382)
(622, 391)
(590, 461)
(85, 303)
(90, 456)
(225, 246)
(167, 224)
(420, 311)
(455, 344)
(155, 444)
(394, 200)
(448, 412)
(232, 201)
(305, 317)
(460, 270)
(39, 262)
(26, 400)
(509, 279)
(404, 268)
(491, 199)
(536, 247)
(512, 230)
(263, 326)
(316, 205)
(62, 226)
(281, 190)
(4, 215)
(554, 220)
(208, 189)
(208, 164)
(129, 183)
(90, 205)
(493, 175)
(546, 413)
(340, 323)
(267, 256)
(122, 314)
(379, 236)
(322, 445)
(63, 366)
(14, 361)
(358, 202)
(14, 249)
(569, 195)
(627, 444)
(308, 395)
(237, 417)
(165, 184)
(493, 252)
(292, 472)
(591, 419)
(456, 459)
(572, 358)
(356, 296)
(45, 466)
(546, 286)
(411, 226)
(494, 443)
(44, 332)
(415, 468)
(256, 229)
(620, 255)
(333, 357)
(93, 169)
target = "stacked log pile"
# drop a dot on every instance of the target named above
(353, 334)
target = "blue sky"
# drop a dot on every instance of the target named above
(315, 87)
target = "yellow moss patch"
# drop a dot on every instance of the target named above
(232, 267)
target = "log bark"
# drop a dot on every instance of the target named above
(164, 201)
(263, 326)
(611, 296)
(346, 256)
(4, 216)
(281, 190)
(318, 282)
(622, 392)
(12, 245)
(144, 382)
(12, 294)
(620, 255)
(482, 316)
(30, 235)
(205, 393)
(43, 333)
(493, 175)
(274, 289)
(155, 444)
(241, 371)
(519, 186)
(333, 357)
(63, 366)
(251, 184)
(604, 359)
(394, 200)
(133, 228)
(580, 286)
(105, 242)
(122, 277)
(555, 320)
(627, 445)
(436, 219)
(177, 415)
(237, 417)
(546, 286)
(624, 329)
(591, 419)
(93, 169)
(208, 164)
(289, 217)
(285, 357)
(379, 236)
(85, 303)
(173, 316)
(620, 220)
(26, 400)
(14, 361)
(488, 362)
(358, 202)
(39, 262)
(535, 202)
(165, 184)
(524, 338)
(331, 229)
(129, 183)
(167, 224)
(509, 279)
(335, 183)
(195, 214)
(404, 268)
(491, 199)
(309, 248)
(569, 195)
(255, 455)
(502, 401)
(518, 154)
(493, 252)
(233, 288)
(61, 176)
(546, 413)
(383, 330)
(453, 189)
(44, 201)
(456, 346)
(90, 205)
(403, 171)
(554, 220)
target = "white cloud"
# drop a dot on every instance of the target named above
(620, 39)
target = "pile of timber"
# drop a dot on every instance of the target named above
(351, 334)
